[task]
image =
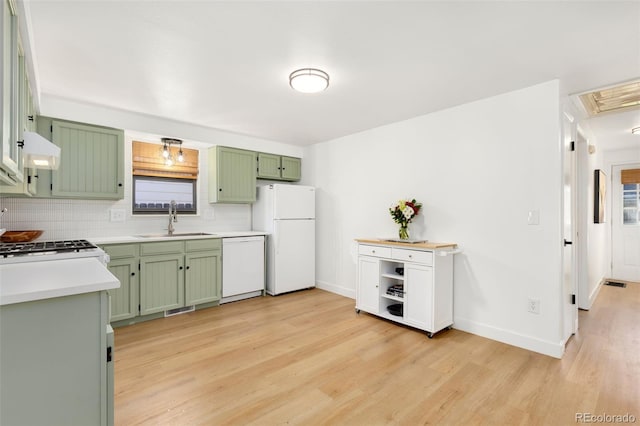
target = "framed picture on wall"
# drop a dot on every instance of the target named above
(599, 195)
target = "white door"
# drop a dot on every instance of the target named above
(294, 202)
(294, 247)
(625, 227)
(570, 324)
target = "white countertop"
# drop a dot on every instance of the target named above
(30, 281)
(142, 239)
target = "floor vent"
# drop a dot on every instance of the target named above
(616, 284)
(177, 311)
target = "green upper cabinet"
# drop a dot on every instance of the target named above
(278, 167)
(268, 166)
(291, 168)
(232, 175)
(12, 72)
(91, 161)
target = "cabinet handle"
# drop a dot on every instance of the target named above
(30, 117)
(20, 144)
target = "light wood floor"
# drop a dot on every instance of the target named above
(306, 358)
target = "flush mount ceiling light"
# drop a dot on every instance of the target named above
(166, 151)
(309, 80)
(636, 130)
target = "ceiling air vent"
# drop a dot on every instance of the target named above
(616, 98)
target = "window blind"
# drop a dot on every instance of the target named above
(630, 176)
(148, 161)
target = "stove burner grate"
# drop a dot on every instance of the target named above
(44, 247)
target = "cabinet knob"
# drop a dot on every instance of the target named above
(181, 268)
(119, 184)
(410, 256)
(373, 251)
(220, 189)
(188, 267)
(133, 274)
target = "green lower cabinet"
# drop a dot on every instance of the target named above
(202, 277)
(164, 275)
(124, 300)
(161, 283)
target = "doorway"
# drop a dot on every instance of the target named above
(625, 222)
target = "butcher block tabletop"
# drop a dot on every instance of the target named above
(429, 245)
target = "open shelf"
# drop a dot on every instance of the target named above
(390, 297)
(394, 276)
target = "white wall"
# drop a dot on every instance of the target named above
(478, 169)
(595, 234)
(66, 219)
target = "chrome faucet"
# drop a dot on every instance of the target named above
(173, 216)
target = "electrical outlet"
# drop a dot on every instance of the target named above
(117, 215)
(533, 305)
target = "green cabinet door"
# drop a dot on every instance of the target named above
(203, 273)
(279, 167)
(232, 175)
(268, 166)
(11, 72)
(161, 283)
(124, 300)
(291, 168)
(91, 161)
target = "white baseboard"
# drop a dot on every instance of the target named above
(342, 291)
(553, 349)
(594, 293)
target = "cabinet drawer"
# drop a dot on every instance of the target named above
(121, 251)
(163, 247)
(203, 245)
(376, 251)
(417, 256)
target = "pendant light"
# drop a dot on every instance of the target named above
(166, 151)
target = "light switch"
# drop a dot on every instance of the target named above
(533, 217)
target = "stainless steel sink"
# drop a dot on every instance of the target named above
(175, 234)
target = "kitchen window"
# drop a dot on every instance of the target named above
(156, 184)
(154, 194)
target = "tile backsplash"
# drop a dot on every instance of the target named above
(72, 219)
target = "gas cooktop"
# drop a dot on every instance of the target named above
(44, 247)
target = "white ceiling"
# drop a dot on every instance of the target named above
(225, 65)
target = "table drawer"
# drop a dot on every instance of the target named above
(417, 256)
(376, 251)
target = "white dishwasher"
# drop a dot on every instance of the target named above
(242, 268)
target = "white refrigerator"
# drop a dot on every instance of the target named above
(287, 214)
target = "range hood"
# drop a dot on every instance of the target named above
(39, 153)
